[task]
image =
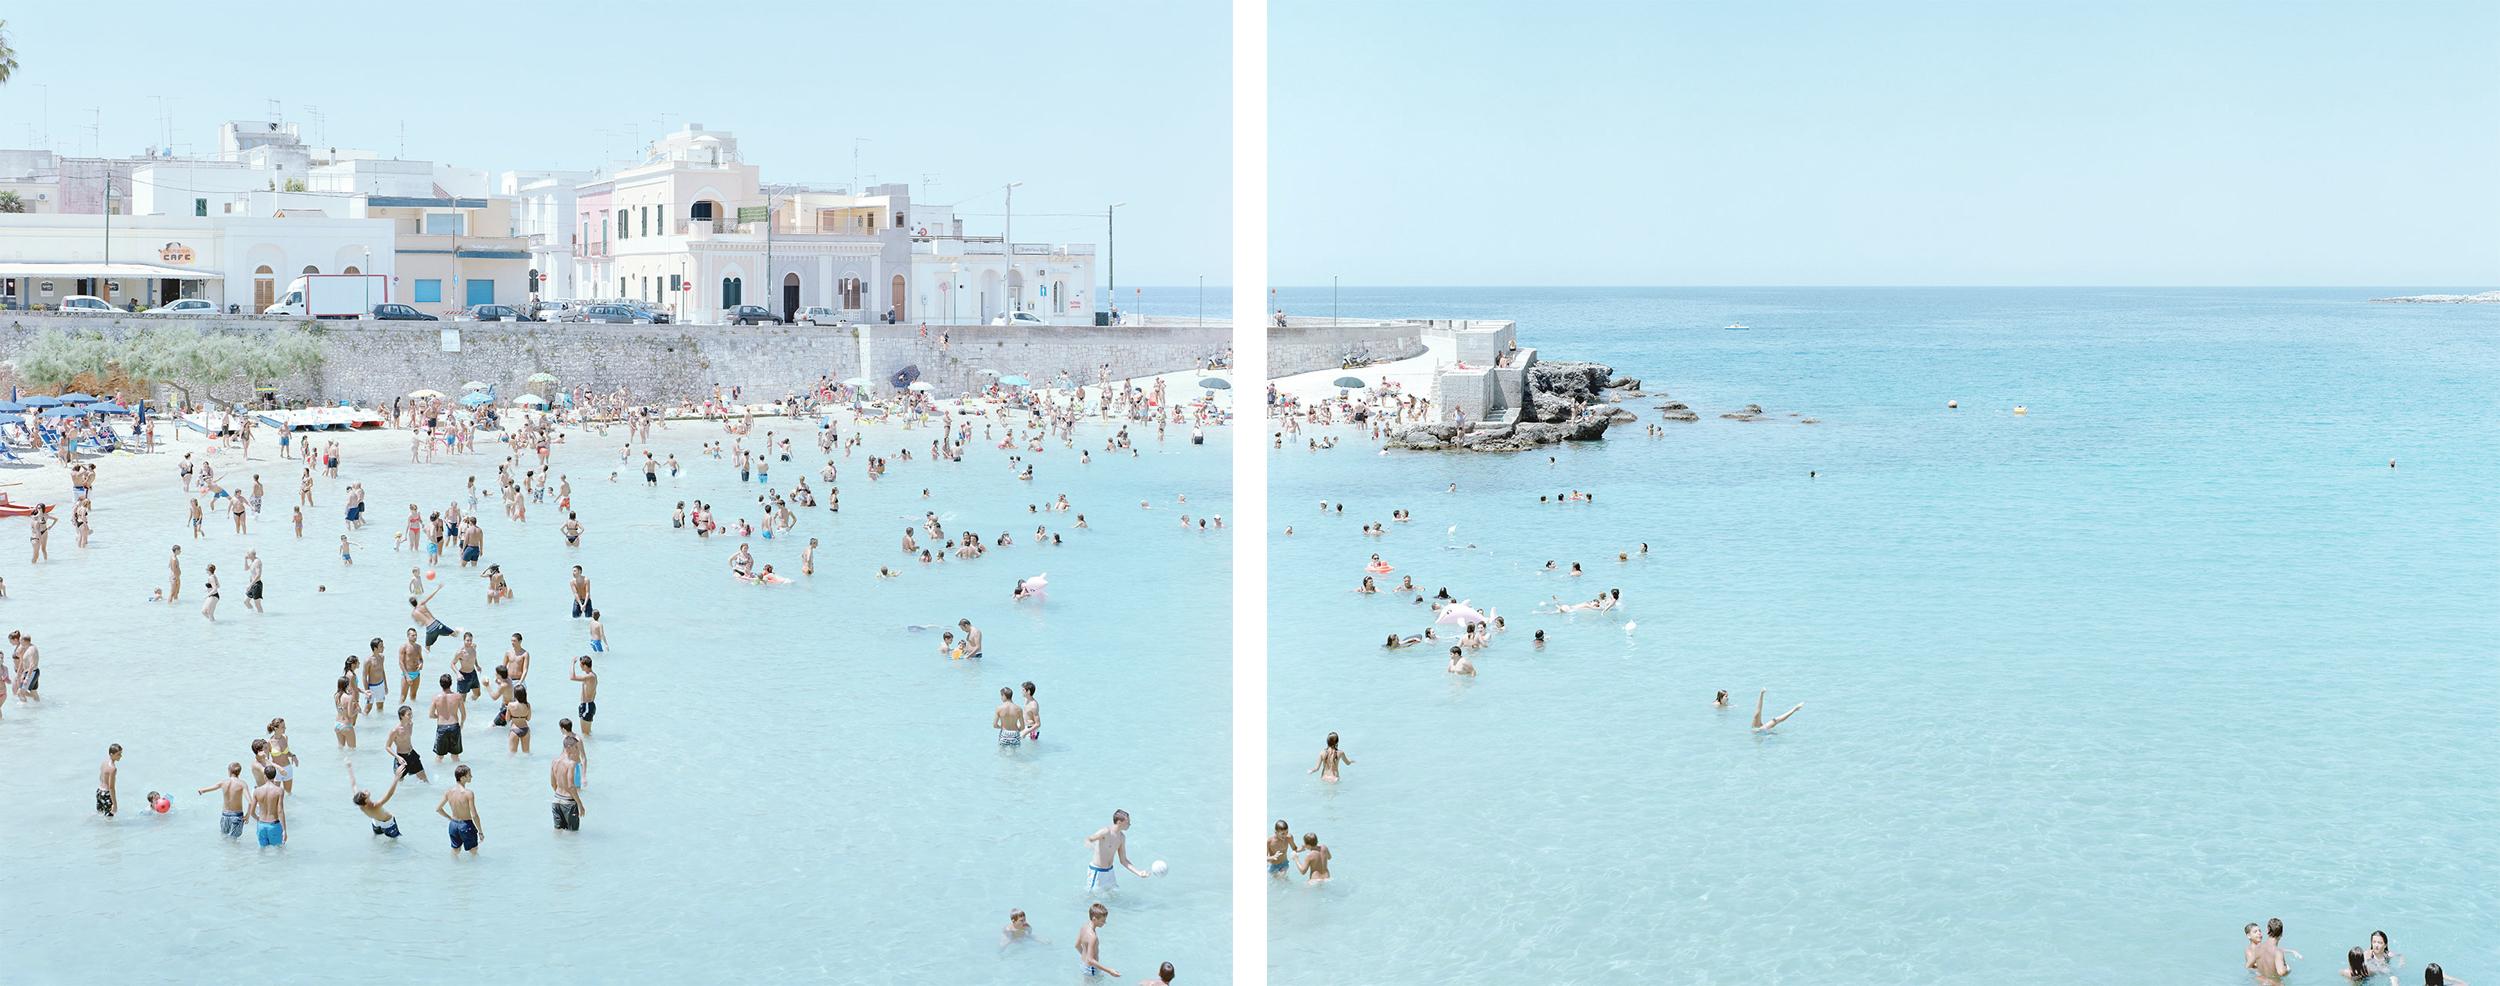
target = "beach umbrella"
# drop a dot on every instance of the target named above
(11, 406)
(78, 398)
(11, 418)
(427, 395)
(1351, 382)
(855, 382)
(905, 376)
(58, 413)
(530, 399)
(1459, 614)
(40, 401)
(1216, 383)
(475, 398)
(473, 385)
(107, 407)
(542, 376)
(1015, 381)
(922, 386)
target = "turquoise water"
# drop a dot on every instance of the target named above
(785, 784)
(2085, 690)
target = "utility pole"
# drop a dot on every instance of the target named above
(1008, 239)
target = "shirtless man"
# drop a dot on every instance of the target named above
(383, 824)
(972, 638)
(1459, 664)
(1008, 719)
(589, 708)
(1760, 726)
(268, 806)
(422, 614)
(2266, 958)
(459, 805)
(1314, 864)
(26, 664)
(1089, 943)
(411, 667)
(1110, 845)
(568, 806)
(517, 660)
(1330, 760)
(107, 780)
(173, 575)
(1032, 714)
(231, 792)
(377, 684)
(448, 712)
(402, 744)
(581, 593)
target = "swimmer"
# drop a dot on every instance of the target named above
(231, 792)
(1719, 701)
(1760, 726)
(1330, 760)
(1314, 863)
(1018, 929)
(459, 806)
(383, 824)
(1110, 844)
(1460, 665)
(1089, 943)
(1008, 719)
(1279, 851)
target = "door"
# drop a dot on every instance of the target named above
(789, 297)
(895, 297)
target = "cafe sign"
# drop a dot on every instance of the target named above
(176, 253)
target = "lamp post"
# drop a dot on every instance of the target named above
(1008, 239)
(365, 277)
(952, 287)
(1111, 220)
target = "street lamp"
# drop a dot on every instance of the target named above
(365, 276)
(1111, 220)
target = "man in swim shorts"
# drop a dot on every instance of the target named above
(1110, 846)
(1089, 943)
(581, 593)
(377, 687)
(231, 792)
(1008, 719)
(448, 712)
(269, 808)
(107, 781)
(562, 775)
(972, 638)
(460, 806)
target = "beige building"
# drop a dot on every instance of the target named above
(451, 252)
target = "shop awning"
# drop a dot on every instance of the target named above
(75, 269)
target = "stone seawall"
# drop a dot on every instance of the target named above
(375, 361)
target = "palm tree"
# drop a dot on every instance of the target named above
(9, 202)
(8, 55)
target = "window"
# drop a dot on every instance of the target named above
(674, 284)
(429, 291)
(730, 292)
(310, 269)
(623, 225)
(199, 207)
(351, 269)
(446, 224)
(851, 291)
(481, 291)
(646, 220)
(264, 288)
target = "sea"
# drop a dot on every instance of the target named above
(2186, 617)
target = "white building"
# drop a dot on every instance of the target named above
(241, 261)
(688, 230)
(543, 212)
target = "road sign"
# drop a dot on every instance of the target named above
(753, 213)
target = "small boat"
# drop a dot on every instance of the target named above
(1737, 325)
(9, 508)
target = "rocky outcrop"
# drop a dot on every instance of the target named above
(1558, 388)
(1752, 412)
(1496, 438)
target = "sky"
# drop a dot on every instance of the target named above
(1785, 143)
(1087, 102)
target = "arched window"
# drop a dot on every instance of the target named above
(264, 289)
(310, 269)
(351, 269)
(731, 292)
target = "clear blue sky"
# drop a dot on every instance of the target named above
(1087, 102)
(1570, 142)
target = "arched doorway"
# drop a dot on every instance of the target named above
(852, 291)
(1015, 289)
(789, 297)
(899, 300)
(264, 289)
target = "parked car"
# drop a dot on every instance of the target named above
(820, 315)
(86, 303)
(749, 315)
(186, 306)
(400, 313)
(611, 314)
(649, 314)
(495, 313)
(1019, 318)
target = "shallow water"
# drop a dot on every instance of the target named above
(2086, 689)
(784, 783)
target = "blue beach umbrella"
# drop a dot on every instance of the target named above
(58, 413)
(6, 406)
(476, 397)
(75, 398)
(41, 401)
(1013, 380)
(11, 418)
(107, 407)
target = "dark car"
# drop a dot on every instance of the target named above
(400, 313)
(750, 315)
(497, 313)
(613, 314)
(649, 314)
